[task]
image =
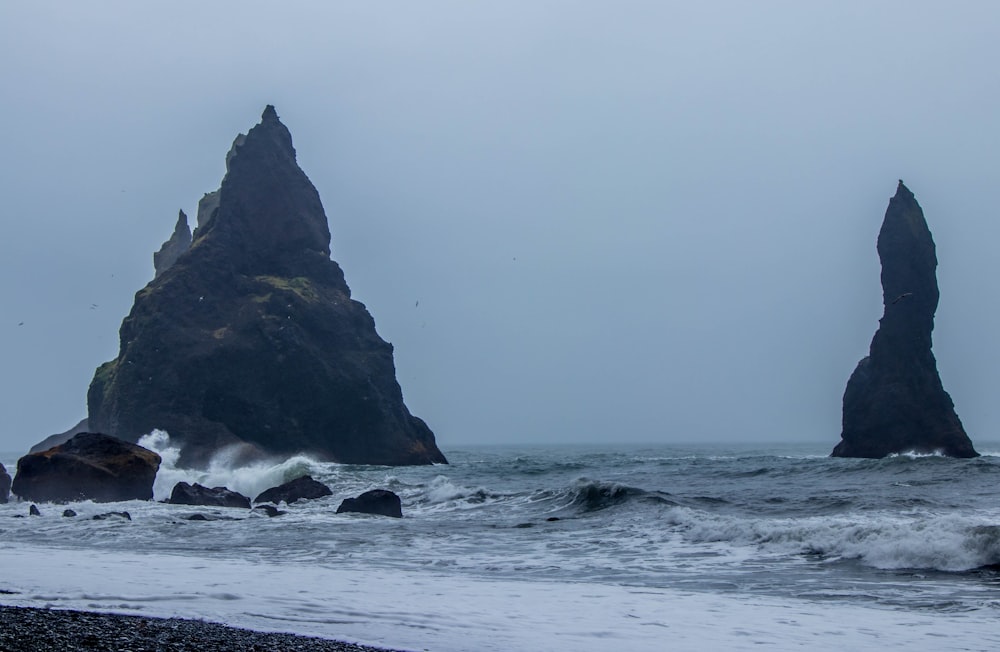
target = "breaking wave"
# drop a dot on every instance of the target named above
(248, 479)
(952, 543)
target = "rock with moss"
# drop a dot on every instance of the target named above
(894, 401)
(251, 338)
(90, 466)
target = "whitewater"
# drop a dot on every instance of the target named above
(555, 548)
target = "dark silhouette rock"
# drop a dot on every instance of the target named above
(60, 438)
(195, 494)
(107, 515)
(377, 501)
(68, 513)
(270, 510)
(90, 466)
(252, 336)
(894, 401)
(303, 488)
(4, 484)
(33, 511)
(178, 243)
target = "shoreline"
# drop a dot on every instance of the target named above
(36, 629)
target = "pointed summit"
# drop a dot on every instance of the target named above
(273, 217)
(252, 338)
(177, 244)
(894, 401)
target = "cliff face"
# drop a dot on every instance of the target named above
(894, 401)
(252, 337)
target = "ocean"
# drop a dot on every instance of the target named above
(554, 548)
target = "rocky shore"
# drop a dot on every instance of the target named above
(45, 630)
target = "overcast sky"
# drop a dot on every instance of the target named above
(623, 221)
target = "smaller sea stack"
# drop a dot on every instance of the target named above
(894, 401)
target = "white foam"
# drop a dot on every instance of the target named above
(248, 479)
(946, 542)
(424, 610)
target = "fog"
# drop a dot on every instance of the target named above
(577, 222)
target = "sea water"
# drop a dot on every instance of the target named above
(555, 548)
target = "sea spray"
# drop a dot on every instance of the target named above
(248, 479)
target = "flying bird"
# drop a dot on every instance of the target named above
(901, 297)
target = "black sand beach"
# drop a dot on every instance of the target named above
(25, 629)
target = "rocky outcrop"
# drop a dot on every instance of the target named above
(4, 484)
(894, 401)
(380, 502)
(90, 466)
(252, 337)
(60, 438)
(195, 494)
(178, 243)
(303, 488)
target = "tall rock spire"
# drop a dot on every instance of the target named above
(177, 244)
(252, 338)
(894, 401)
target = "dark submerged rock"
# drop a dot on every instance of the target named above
(377, 501)
(68, 513)
(90, 466)
(303, 488)
(894, 401)
(33, 511)
(178, 243)
(195, 494)
(270, 510)
(5, 482)
(252, 336)
(107, 515)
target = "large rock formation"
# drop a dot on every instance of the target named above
(90, 466)
(251, 336)
(179, 242)
(894, 401)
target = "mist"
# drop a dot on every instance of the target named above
(576, 222)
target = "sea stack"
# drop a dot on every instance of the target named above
(251, 338)
(894, 401)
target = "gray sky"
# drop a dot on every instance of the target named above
(623, 221)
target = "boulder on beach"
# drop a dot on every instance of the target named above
(251, 336)
(377, 501)
(894, 401)
(196, 494)
(302, 488)
(90, 466)
(4, 484)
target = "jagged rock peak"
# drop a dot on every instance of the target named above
(177, 244)
(894, 401)
(252, 342)
(266, 208)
